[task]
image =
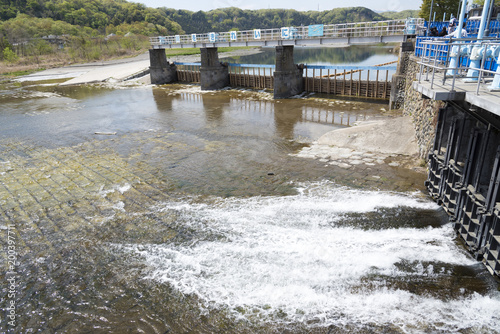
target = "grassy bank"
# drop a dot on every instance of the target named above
(39, 55)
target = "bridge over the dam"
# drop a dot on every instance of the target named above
(287, 77)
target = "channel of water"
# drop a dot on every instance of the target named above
(168, 209)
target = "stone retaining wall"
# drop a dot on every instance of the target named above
(423, 111)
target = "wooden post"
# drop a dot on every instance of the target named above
(350, 88)
(320, 79)
(335, 83)
(254, 81)
(343, 85)
(314, 80)
(376, 85)
(260, 79)
(368, 83)
(329, 83)
(359, 85)
(385, 84)
(307, 79)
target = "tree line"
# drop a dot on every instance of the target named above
(94, 29)
(112, 16)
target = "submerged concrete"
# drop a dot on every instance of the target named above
(392, 136)
(387, 141)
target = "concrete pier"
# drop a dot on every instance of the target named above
(213, 74)
(288, 79)
(161, 71)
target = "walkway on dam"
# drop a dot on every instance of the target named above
(392, 31)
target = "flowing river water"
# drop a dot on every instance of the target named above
(140, 209)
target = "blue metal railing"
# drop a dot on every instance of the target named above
(438, 48)
(472, 26)
(449, 60)
(316, 67)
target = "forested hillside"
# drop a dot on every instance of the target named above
(401, 15)
(55, 32)
(94, 14)
(105, 15)
(225, 19)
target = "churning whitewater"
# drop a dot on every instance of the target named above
(315, 257)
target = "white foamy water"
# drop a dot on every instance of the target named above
(272, 255)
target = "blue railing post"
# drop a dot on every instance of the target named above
(455, 56)
(478, 51)
(495, 85)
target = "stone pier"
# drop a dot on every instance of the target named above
(288, 79)
(213, 74)
(161, 71)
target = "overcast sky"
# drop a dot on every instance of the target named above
(301, 5)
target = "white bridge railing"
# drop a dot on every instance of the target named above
(359, 29)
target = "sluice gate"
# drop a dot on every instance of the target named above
(464, 177)
(316, 79)
(285, 78)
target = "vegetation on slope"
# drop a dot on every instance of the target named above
(40, 32)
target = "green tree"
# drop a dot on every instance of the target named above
(9, 56)
(440, 8)
(481, 2)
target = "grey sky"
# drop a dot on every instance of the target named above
(301, 5)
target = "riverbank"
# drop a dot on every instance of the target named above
(116, 70)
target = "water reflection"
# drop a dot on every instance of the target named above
(290, 118)
(163, 101)
(359, 55)
(285, 118)
(215, 106)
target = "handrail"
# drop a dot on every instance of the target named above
(317, 67)
(435, 57)
(359, 29)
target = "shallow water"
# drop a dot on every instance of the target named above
(196, 216)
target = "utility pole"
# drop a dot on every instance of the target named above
(430, 16)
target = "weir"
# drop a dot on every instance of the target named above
(285, 78)
(464, 161)
(464, 177)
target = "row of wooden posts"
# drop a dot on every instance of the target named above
(327, 81)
